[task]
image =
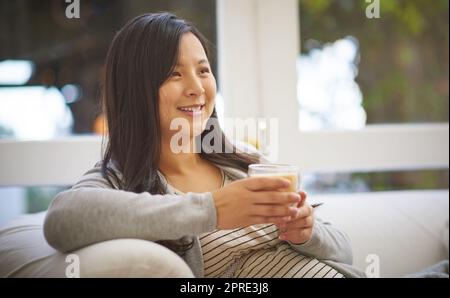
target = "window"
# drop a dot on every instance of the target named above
(264, 36)
(355, 70)
(50, 69)
(60, 60)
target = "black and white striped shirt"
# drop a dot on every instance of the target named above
(256, 251)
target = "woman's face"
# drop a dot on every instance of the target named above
(189, 93)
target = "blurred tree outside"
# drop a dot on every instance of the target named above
(404, 54)
(71, 52)
(5, 132)
(39, 198)
(403, 69)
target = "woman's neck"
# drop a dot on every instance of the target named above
(173, 163)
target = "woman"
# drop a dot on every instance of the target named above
(200, 205)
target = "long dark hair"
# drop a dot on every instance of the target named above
(140, 59)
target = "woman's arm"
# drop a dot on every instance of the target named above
(91, 211)
(327, 243)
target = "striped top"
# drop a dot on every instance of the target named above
(256, 251)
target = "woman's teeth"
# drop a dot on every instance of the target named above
(192, 109)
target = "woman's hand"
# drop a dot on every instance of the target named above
(254, 200)
(299, 229)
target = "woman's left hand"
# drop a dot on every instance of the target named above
(299, 229)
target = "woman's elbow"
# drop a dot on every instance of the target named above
(54, 226)
(52, 234)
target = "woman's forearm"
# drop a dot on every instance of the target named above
(87, 215)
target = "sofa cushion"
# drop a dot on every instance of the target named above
(407, 230)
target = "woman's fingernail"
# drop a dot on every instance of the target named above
(295, 196)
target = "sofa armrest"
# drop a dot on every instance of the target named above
(130, 258)
(25, 253)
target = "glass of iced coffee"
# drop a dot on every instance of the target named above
(289, 172)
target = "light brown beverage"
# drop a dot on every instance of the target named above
(289, 172)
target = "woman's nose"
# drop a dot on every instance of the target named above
(194, 88)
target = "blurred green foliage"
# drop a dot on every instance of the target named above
(404, 54)
(39, 198)
(403, 67)
(404, 180)
(6, 132)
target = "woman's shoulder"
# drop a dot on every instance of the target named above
(94, 177)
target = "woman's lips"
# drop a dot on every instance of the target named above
(193, 110)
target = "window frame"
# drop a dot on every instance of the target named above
(257, 66)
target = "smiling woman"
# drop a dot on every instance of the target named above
(199, 204)
(146, 88)
(191, 89)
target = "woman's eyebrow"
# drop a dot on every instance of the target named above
(201, 61)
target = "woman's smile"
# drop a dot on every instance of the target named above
(192, 110)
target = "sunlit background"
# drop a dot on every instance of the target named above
(351, 73)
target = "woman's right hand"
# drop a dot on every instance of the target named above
(254, 200)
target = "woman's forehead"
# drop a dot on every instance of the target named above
(191, 51)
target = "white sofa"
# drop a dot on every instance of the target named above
(24, 252)
(403, 232)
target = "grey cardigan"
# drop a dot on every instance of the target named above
(92, 211)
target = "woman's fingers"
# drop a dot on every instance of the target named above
(254, 200)
(273, 211)
(302, 200)
(276, 197)
(303, 211)
(297, 236)
(303, 194)
(301, 223)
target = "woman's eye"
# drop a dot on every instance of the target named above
(176, 74)
(204, 70)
